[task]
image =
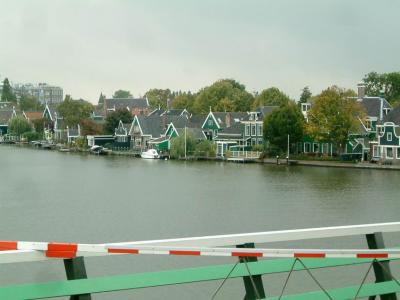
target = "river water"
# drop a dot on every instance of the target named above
(52, 196)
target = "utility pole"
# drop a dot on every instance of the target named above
(288, 143)
(185, 142)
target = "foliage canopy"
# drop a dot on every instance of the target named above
(334, 114)
(271, 97)
(74, 111)
(113, 119)
(223, 95)
(283, 121)
(19, 125)
(388, 83)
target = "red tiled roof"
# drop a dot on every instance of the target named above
(34, 115)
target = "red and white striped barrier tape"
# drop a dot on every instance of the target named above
(71, 250)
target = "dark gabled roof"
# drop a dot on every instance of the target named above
(266, 110)
(173, 112)
(178, 121)
(156, 112)
(196, 121)
(6, 105)
(233, 117)
(53, 110)
(151, 125)
(393, 116)
(121, 103)
(234, 131)
(196, 133)
(5, 116)
(372, 105)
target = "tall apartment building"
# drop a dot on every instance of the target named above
(44, 92)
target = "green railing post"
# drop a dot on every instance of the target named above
(257, 279)
(75, 269)
(375, 241)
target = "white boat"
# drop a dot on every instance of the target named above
(99, 150)
(150, 154)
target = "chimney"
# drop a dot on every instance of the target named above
(228, 120)
(361, 90)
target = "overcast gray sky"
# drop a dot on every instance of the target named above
(88, 47)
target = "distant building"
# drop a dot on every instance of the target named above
(43, 92)
(136, 106)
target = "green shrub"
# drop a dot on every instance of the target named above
(205, 149)
(32, 136)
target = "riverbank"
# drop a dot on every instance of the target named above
(331, 164)
(273, 161)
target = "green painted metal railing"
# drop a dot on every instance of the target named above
(191, 275)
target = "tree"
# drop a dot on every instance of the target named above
(74, 111)
(40, 124)
(30, 103)
(19, 125)
(90, 127)
(305, 95)
(205, 149)
(224, 94)
(334, 114)
(283, 121)
(113, 119)
(122, 94)
(178, 146)
(7, 92)
(184, 101)
(271, 97)
(101, 100)
(159, 97)
(388, 83)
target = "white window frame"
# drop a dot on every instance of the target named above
(389, 137)
(313, 147)
(305, 147)
(253, 130)
(247, 133)
(259, 129)
(398, 152)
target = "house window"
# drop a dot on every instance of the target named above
(398, 153)
(315, 148)
(305, 107)
(259, 129)
(376, 151)
(368, 124)
(307, 147)
(253, 129)
(389, 152)
(325, 148)
(389, 136)
(210, 122)
(253, 142)
(247, 129)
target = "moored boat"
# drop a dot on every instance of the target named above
(150, 154)
(99, 150)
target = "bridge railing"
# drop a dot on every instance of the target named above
(39, 251)
(245, 154)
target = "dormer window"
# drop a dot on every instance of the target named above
(305, 107)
